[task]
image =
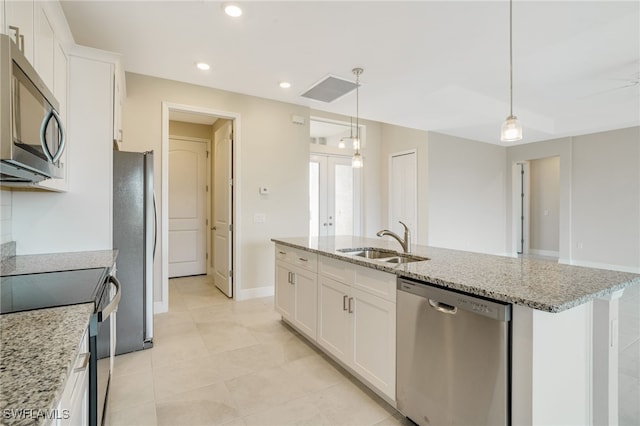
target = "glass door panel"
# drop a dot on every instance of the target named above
(334, 196)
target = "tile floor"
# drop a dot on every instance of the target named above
(220, 362)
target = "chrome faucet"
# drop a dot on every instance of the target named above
(406, 244)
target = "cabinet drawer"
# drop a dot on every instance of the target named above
(335, 269)
(381, 284)
(294, 256)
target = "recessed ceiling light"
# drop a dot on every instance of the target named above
(203, 66)
(285, 84)
(232, 9)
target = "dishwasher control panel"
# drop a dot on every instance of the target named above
(439, 296)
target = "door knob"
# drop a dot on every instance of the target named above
(213, 228)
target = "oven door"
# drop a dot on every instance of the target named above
(103, 349)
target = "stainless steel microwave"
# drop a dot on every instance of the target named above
(32, 137)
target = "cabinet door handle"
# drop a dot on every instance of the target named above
(289, 277)
(303, 259)
(350, 305)
(281, 252)
(19, 37)
(344, 302)
(85, 361)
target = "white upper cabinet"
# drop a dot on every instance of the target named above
(18, 24)
(44, 45)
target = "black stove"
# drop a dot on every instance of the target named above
(50, 289)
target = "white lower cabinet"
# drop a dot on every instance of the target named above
(355, 308)
(359, 329)
(374, 341)
(296, 292)
(73, 407)
(284, 291)
(334, 319)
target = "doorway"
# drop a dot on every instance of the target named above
(334, 196)
(221, 204)
(536, 207)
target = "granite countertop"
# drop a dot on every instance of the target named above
(538, 284)
(37, 349)
(37, 263)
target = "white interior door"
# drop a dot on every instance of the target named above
(334, 196)
(187, 207)
(403, 193)
(222, 224)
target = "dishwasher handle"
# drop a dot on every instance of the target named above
(443, 307)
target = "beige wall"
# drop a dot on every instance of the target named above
(190, 130)
(599, 216)
(467, 200)
(272, 152)
(544, 207)
(606, 199)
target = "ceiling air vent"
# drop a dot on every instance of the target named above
(329, 89)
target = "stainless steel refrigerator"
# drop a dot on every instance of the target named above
(134, 236)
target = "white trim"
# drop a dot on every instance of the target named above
(549, 253)
(160, 307)
(189, 138)
(598, 265)
(237, 191)
(252, 293)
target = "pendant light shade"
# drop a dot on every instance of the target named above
(511, 128)
(356, 160)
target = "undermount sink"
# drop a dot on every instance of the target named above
(388, 256)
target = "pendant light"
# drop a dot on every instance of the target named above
(356, 160)
(511, 128)
(341, 144)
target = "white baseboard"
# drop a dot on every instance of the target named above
(549, 253)
(160, 307)
(253, 293)
(598, 265)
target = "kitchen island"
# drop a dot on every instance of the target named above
(564, 321)
(39, 348)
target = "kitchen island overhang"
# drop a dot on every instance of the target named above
(564, 346)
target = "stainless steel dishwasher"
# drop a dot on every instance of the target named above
(453, 357)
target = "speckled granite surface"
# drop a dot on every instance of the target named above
(7, 250)
(538, 284)
(36, 263)
(37, 349)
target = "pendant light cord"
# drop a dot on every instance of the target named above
(358, 107)
(510, 58)
(357, 72)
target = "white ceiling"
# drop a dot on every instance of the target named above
(432, 65)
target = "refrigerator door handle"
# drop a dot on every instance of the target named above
(155, 225)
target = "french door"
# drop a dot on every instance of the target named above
(334, 196)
